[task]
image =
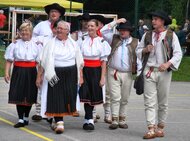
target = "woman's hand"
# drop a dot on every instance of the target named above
(39, 81)
(81, 81)
(102, 82)
(7, 78)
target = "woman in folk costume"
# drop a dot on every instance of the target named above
(95, 51)
(61, 61)
(23, 91)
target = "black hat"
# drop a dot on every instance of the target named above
(125, 26)
(56, 6)
(162, 15)
(99, 18)
(84, 16)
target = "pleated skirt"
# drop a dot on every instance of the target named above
(61, 98)
(23, 90)
(90, 91)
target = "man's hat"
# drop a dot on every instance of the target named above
(99, 18)
(56, 6)
(84, 16)
(125, 26)
(162, 15)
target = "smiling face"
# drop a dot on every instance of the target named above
(62, 30)
(26, 31)
(157, 22)
(54, 15)
(92, 28)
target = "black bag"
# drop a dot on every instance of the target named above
(139, 84)
(139, 80)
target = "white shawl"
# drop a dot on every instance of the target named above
(47, 61)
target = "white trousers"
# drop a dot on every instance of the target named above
(156, 91)
(119, 91)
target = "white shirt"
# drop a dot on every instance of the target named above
(23, 51)
(43, 29)
(64, 53)
(120, 59)
(157, 55)
(80, 36)
(96, 48)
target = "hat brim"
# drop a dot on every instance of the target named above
(80, 18)
(166, 19)
(127, 28)
(61, 9)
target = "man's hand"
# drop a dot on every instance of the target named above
(148, 49)
(122, 20)
(164, 66)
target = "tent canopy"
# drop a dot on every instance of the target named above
(40, 3)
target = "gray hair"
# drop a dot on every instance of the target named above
(65, 24)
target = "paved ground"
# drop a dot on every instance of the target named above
(177, 128)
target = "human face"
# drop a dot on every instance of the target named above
(124, 33)
(84, 24)
(25, 34)
(54, 15)
(92, 28)
(62, 31)
(157, 22)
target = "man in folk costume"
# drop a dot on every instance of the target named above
(121, 65)
(163, 50)
(82, 33)
(44, 28)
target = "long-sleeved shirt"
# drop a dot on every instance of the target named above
(158, 54)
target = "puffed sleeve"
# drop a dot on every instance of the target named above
(105, 50)
(9, 53)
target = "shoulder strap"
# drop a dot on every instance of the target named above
(147, 41)
(133, 56)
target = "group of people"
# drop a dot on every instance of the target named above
(52, 67)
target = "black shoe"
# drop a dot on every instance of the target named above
(85, 126)
(19, 124)
(90, 126)
(26, 122)
(36, 117)
(49, 120)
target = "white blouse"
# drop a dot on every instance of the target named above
(95, 48)
(23, 51)
(64, 53)
(43, 29)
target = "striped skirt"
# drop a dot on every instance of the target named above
(90, 91)
(61, 98)
(23, 90)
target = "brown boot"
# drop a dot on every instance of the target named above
(114, 124)
(59, 128)
(160, 130)
(122, 123)
(150, 134)
(107, 120)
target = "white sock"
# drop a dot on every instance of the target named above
(21, 121)
(91, 121)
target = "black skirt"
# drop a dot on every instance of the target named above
(61, 98)
(90, 91)
(23, 90)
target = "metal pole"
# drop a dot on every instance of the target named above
(136, 15)
(70, 9)
(187, 10)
